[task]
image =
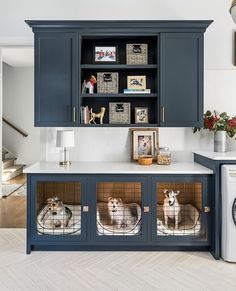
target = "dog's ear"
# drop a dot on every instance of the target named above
(120, 200)
(165, 191)
(109, 198)
(49, 200)
(177, 192)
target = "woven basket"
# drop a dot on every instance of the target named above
(119, 113)
(107, 82)
(145, 160)
(137, 54)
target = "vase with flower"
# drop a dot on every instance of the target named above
(223, 126)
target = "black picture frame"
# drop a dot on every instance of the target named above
(115, 61)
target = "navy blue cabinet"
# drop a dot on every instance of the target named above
(117, 212)
(56, 78)
(64, 58)
(181, 79)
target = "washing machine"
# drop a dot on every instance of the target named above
(228, 233)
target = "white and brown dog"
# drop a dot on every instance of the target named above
(120, 214)
(171, 207)
(56, 213)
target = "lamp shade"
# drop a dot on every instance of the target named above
(65, 138)
(233, 10)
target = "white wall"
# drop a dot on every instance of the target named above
(113, 144)
(18, 107)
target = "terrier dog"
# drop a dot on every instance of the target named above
(171, 207)
(144, 145)
(94, 115)
(57, 214)
(120, 214)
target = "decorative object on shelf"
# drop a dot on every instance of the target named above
(144, 142)
(164, 156)
(89, 85)
(99, 115)
(137, 54)
(65, 139)
(84, 114)
(141, 114)
(136, 82)
(145, 160)
(119, 113)
(107, 82)
(222, 125)
(137, 91)
(105, 54)
(233, 10)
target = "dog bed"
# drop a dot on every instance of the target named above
(190, 223)
(74, 226)
(105, 228)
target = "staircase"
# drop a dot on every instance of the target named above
(10, 169)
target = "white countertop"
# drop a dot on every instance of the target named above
(227, 156)
(115, 168)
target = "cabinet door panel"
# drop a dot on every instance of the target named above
(181, 79)
(55, 78)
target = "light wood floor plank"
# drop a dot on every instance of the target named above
(108, 271)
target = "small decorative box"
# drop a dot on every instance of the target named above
(107, 82)
(137, 54)
(119, 113)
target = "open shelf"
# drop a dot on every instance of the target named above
(119, 95)
(118, 66)
(120, 125)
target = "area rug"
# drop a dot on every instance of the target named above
(8, 189)
(20, 191)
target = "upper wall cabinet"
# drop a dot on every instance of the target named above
(56, 78)
(170, 68)
(181, 79)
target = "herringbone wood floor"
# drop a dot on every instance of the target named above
(108, 271)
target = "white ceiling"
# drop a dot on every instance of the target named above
(18, 56)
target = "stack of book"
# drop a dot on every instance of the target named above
(84, 114)
(137, 91)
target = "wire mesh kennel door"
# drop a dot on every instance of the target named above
(119, 208)
(58, 208)
(179, 209)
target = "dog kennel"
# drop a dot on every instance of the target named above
(185, 207)
(58, 208)
(118, 208)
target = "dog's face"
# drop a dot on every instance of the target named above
(114, 204)
(54, 205)
(142, 115)
(144, 145)
(170, 196)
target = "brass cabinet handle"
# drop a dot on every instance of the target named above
(163, 114)
(85, 208)
(146, 209)
(207, 209)
(74, 114)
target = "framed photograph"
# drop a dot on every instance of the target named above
(136, 82)
(141, 114)
(105, 54)
(144, 142)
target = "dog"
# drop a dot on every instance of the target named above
(142, 115)
(120, 214)
(171, 207)
(57, 214)
(97, 115)
(144, 145)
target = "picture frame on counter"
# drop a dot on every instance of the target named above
(144, 142)
(136, 82)
(141, 114)
(105, 54)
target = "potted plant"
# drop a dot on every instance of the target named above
(222, 125)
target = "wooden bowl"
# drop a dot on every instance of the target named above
(145, 160)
